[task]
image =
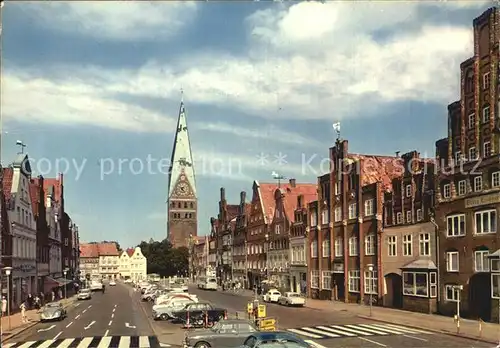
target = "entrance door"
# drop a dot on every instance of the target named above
(479, 296)
(338, 283)
(394, 297)
(294, 284)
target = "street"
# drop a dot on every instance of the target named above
(325, 329)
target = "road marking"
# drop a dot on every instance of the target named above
(382, 329)
(357, 330)
(371, 341)
(345, 333)
(416, 338)
(144, 342)
(328, 334)
(368, 329)
(84, 311)
(78, 316)
(110, 322)
(115, 306)
(412, 330)
(85, 342)
(112, 315)
(27, 344)
(105, 342)
(46, 344)
(304, 333)
(76, 305)
(114, 309)
(314, 344)
(89, 306)
(56, 336)
(129, 326)
(66, 343)
(71, 323)
(124, 342)
(396, 330)
(89, 325)
(106, 333)
(47, 328)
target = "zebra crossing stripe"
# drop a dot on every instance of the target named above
(124, 342)
(66, 343)
(383, 329)
(144, 342)
(345, 333)
(46, 344)
(412, 329)
(357, 331)
(105, 342)
(313, 330)
(304, 333)
(314, 344)
(27, 344)
(94, 342)
(85, 343)
(369, 330)
(402, 331)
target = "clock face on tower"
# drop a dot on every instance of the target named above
(182, 189)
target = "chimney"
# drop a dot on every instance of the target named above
(243, 196)
(222, 194)
(292, 183)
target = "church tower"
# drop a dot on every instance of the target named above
(182, 201)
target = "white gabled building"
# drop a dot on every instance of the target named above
(133, 264)
(23, 229)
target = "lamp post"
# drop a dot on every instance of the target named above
(65, 271)
(370, 285)
(457, 289)
(8, 271)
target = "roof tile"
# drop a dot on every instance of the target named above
(8, 174)
(34, 189)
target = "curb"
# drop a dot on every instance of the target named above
(444, 332)
(29, 326)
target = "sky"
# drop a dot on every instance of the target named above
(93, 90)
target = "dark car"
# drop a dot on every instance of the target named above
(263, 339)
(199, 314)
(225, 333)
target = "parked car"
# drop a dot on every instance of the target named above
(268, 338)
(84, 294)
(52, 311)
(225, 333)
(112, 283)
(272, 295)
(292, 299)
(198, 313)
(165, 311)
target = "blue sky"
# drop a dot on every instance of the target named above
(87, 86)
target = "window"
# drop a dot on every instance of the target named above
(324, 217)
(478, 183)
(369, 207)
(354, 280)
(486, 114)
(315, 279)
(277, 229)
(452, 293)
(433, 284)
(486, 221)
(472, 120)
(495, 179)
(447, 191)
(399, 218)
(352, 211)
(353, 246)
(424, 242)
(409, 216)
(486, 80)
(370, 244)
(370, 282)
(462, 187)
(314, 248)
(408, 190)
(326, 248)
(338, 214)
(314, 218)
(495, 285)
(326, 280)
(337, 188)
(419, 215)
(455, 225)
(458, 156)
(339, 247)
(481, 261)
(452, 261)
(472, 154)
(486, 149)
(392, 242)
(407, 245)
(415, 284)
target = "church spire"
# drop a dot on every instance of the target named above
(181, 162)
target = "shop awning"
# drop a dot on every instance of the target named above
(54, 282)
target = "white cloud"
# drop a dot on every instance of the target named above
(121, 20)
(37, 100)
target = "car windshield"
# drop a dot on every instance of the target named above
(294, 295)
(52, 305)
(84, 291)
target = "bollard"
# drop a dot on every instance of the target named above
(237, 316)
(480, 328)
(225, 315)
(187, 321)
(206, 319)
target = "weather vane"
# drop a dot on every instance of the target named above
(21, 145)
(336, 128)
(279, 177)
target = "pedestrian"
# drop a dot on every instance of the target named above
(4, 306)
(23, 312)
(42, 298)
(59, 293)
(53, 296)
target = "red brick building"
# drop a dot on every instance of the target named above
(226, 222)
(239, 241)
(468, 184)
(6, 245)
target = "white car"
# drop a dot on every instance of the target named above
(112, 283)
(272, 295)
(292, 299)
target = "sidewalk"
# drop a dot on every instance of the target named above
(16, 324)
(472, 329)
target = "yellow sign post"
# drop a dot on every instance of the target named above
(250, 307)
(267, 324)
(261, 313)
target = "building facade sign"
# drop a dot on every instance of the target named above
(482, 200)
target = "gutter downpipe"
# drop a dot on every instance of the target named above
(438, 273)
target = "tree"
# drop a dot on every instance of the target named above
(165, 260)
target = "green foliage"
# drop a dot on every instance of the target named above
(165, 260)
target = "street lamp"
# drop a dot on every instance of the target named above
(65, 271)
(370, 285)
(8, 271)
